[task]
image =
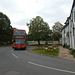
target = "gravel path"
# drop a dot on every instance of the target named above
(65, 54)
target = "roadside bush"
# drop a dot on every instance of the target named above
(74, 55)
(72, 52)
(67, 46)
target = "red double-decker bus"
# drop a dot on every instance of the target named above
(19, 39)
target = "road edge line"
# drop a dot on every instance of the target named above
(52, 68)
(15, 55)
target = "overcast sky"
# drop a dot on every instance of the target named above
(21, 12)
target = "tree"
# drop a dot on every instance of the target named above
(5, 28)
(57, 28)
(38, 29)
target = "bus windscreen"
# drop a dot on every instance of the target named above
(19, 41)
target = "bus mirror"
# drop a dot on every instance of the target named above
(12, 40)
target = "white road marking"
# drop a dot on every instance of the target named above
(12, 50)
(51, 68)
(15, 55)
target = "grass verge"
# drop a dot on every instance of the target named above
(47, 52)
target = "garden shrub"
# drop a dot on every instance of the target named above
(72, 52)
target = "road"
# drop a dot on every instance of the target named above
(24, 62)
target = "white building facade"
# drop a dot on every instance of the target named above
(68, 31)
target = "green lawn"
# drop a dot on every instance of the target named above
(45, 52)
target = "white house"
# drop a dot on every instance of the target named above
(68, 31)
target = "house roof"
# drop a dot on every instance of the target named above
(72, 7)
(73, 4)
(67, 21)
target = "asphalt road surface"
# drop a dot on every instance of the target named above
(24, 62)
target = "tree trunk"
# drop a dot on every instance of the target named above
(38, 42)
(58, 41)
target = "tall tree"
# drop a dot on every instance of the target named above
(5, 28)
(38, 29)
(57, 27)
